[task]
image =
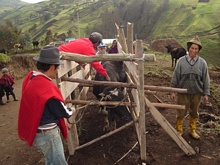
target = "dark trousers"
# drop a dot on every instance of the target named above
(9, 91)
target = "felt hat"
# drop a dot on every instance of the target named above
(194, 40)
(49, 55)
(4, 70)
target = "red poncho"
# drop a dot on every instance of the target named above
(35, 93)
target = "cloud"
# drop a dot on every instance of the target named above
(33, 1)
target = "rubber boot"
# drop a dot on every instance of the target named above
(192, 126)
(179, 126)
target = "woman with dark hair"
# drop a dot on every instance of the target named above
(191, 73)
(114, 48)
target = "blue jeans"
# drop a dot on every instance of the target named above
(51, 145)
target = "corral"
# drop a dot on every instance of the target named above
(75, 87)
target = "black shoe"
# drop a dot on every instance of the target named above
(15, 100)
(1, 103)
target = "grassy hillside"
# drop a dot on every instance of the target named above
(156, 19)
(184, 19)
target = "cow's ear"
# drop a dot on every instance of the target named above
(114, 92)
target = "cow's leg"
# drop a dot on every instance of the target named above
(175, 62)
(172, 61)
(106, 121)
(112, 121)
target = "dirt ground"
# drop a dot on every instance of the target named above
(161, 149)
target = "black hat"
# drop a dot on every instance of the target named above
(49, 55)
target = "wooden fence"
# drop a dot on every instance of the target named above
(75, 81)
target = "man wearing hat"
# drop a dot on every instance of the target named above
(42, 110)
(86, 46)
(191, 73)
(101, 49)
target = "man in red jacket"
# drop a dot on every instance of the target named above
(86, 46)
(42, 110)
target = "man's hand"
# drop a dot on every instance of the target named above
(205, 99)
(108, 78)
(173, 96)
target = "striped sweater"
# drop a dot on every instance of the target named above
(194, 78)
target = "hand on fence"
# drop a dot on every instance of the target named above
(173, 96)
(108, 78)
(73, 111)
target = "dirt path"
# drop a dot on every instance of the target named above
(14, 151)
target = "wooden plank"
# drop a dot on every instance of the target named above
(83, 92)
(120, 84)
(140, 88)
(169, 129)
(130, 37)
(68, 87)
(106, 135)
(134, 96)
(115, 103)
(66, 67)
(107, 57)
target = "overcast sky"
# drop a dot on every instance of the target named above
(33, 1)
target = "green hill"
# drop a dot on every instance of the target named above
(153, 19)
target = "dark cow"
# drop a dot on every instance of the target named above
(176, 53)
(3, 51)
(116, 73)
(35, 45)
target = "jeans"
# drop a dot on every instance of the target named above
(51, 145)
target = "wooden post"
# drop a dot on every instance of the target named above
(141, 98)
(130, 37)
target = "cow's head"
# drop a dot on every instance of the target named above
(115, 94)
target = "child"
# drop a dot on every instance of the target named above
(8, 83)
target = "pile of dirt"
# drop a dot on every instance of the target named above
(159, 45)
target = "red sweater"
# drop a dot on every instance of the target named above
(85, 47)
(35, 93)
(8, 80)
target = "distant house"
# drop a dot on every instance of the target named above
(107, 41)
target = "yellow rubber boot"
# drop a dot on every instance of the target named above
(179, 126)
(192, 126)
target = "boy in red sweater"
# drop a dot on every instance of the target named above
(8, 84)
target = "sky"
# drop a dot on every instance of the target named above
(33, 1)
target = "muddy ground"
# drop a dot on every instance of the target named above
(161, 149)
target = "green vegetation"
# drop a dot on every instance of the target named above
(152, 20)
(4, 58)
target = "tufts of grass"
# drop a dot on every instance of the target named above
(4, 58)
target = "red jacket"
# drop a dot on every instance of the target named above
(85, 47)
(35, 93)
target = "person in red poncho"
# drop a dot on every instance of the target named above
(86, 46)
(42, 110)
